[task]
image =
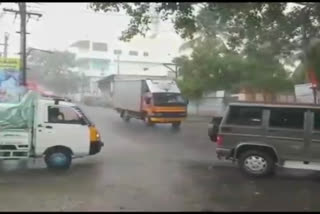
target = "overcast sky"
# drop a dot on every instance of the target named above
(64, 23)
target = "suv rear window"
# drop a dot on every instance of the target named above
(286, 118)
(246, 116)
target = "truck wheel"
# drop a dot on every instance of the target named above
(256, 163)
(58, 159)
(176, 125)
(147, 121)
(125, 116)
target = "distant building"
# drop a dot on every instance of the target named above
(96, 60)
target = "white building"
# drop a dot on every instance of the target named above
(96, 60)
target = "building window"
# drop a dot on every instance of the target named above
(84, 44)
(145, 54)
(117, 52)
(133, 53)
(145, 69)
(98, 46)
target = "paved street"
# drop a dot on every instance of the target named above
(152, 169)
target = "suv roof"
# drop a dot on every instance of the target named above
(276, 105)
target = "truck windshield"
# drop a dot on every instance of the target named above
(83, 115)
(165, 99)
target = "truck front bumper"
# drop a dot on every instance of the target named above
(166, 120)
(95, 147)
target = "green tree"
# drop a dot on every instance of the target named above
(260, 38)
(53, 71)
(285, 27)
(141, 13)
(213, 67)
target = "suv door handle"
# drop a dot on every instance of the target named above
(49, 127)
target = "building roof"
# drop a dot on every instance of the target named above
(116, 76)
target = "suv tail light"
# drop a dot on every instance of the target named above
(219, 140)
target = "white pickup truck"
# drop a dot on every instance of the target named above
(49, 128)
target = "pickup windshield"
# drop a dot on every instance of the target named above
(167, 99)
(83, 115)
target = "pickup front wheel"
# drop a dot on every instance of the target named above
(256, 163)
(58, 159)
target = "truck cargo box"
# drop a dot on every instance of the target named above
(127, 94)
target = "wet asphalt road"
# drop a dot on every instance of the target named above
(152, 169)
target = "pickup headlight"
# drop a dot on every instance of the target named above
(94, 134)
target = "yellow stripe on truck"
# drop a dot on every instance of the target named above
(168, 109)
(165, 120)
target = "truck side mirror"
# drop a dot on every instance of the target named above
(148, 100)
(187, 101)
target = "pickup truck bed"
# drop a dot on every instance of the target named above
(15, 144)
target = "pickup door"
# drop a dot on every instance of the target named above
(62, 126)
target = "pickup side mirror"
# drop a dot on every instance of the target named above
(83, 122)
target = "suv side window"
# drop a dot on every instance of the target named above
(246, 116)
(288, 118)
(316, 120)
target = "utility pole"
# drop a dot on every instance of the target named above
(5, 45)
(23, 41)
(5, 49)
(23, 35)
(175, 71)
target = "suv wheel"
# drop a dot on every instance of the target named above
(256, 163)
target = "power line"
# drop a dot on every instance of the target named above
(23, 34)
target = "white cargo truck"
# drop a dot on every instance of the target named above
(46, 127)
(151, 100)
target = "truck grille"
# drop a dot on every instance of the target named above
(170, 114)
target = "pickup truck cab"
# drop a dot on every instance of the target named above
(261, 136)
(56, 130)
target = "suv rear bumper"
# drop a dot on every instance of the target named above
(226, 153)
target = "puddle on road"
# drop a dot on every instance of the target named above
(223, 184)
